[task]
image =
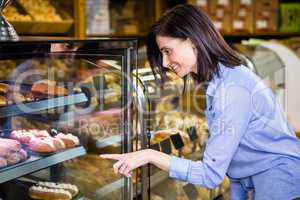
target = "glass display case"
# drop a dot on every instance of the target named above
(277, 63)
(64, 102)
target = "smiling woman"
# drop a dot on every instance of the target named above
(250, 139)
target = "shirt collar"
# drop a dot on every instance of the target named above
(217, 79)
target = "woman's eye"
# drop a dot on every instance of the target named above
(167, 52)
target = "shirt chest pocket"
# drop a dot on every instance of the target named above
(210, 111)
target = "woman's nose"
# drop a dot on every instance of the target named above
(166, 62)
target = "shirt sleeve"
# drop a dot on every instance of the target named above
(230, 113)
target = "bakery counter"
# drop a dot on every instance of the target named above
(36, 162)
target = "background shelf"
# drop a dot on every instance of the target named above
(32, 107)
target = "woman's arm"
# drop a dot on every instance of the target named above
(130, 161)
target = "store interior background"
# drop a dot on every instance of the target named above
(240, 21)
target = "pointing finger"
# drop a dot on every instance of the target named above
(117, 165)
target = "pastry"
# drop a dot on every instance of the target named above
(3, 101)
(4, 88)
(39, 192)
(73, 189)
(42, 145)
(58, 143)
(49, 89)
(69, 139)
(10, 145)
(22, 136)
(3, 162)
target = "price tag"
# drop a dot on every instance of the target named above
(242, 13)
(192, 132)
(223, 2)
(201, 3)
(191, 191)
(218, 25)
(261, 24)
(155, 147)
(238, 25)
(246, 2)
(220, 13)
(177, 141)
(165, 146)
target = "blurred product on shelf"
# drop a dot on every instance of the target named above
(88, 174)
(203, 4)
(41, 145)
(40, 10)
(98, 17)
(11, 152)
(73, 189)
(47, 87)
(45, 193)
(69, 139)
(3, 101)
(289, 17)
(11, 13)
(220, 12)
(7, 68)
(266, 16)
(243, 16)
(40, 140)
(4, 88)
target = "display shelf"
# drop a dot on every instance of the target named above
(101, 143)
(35, 163)
(36, 106)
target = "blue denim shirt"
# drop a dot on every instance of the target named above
(249, 132)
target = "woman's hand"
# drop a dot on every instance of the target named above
(129, 161)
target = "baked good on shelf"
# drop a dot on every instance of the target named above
(58, 143)
(39, 192)
(40, 133)
(10, 145)
(3, 162)
(3, 100)
(42, 145)
(4, 88)
(73, 189)
(69, 139)
(11, 13)
(49, 88)
(13, 158)
(22, 136)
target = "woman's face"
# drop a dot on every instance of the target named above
(178, 55)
